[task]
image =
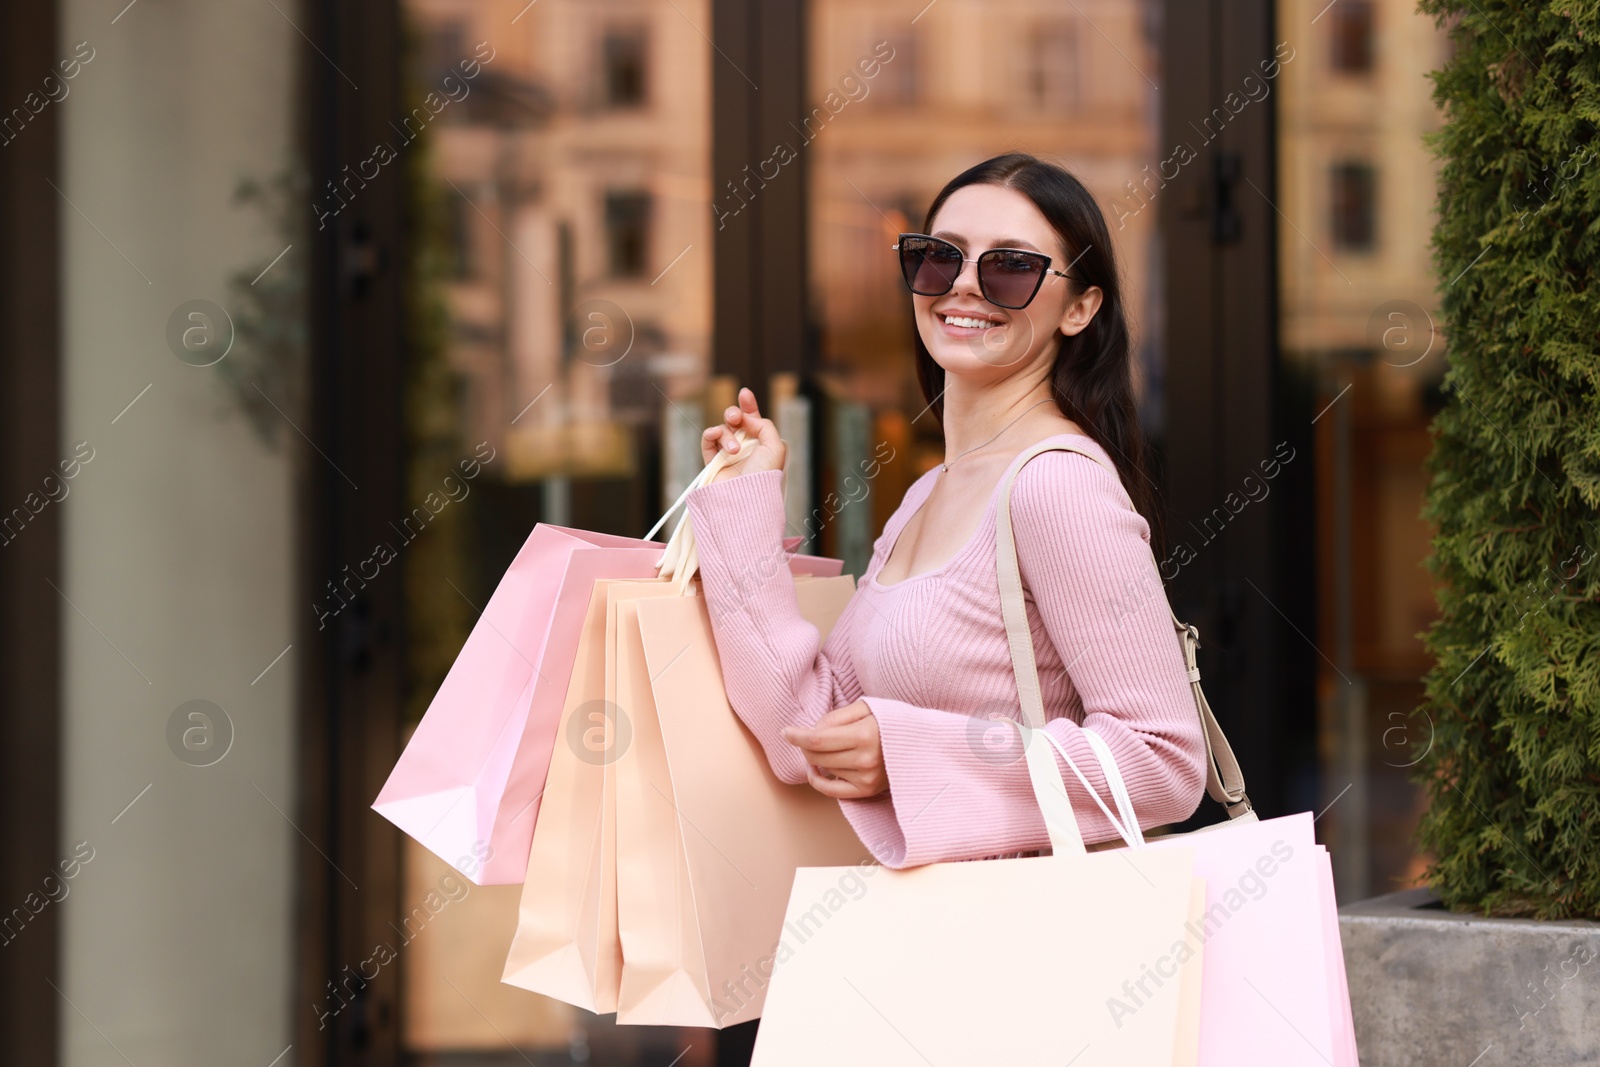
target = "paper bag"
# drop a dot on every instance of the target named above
(708, 839)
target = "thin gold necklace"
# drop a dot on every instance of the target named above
(1003, 429)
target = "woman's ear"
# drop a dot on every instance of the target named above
(1080, 309)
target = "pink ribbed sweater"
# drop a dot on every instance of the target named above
(929, 656)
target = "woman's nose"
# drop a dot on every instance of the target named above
(967, 279)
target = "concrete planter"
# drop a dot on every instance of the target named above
(1431, 987)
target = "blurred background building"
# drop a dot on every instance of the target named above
(586, 225)
(577, 182)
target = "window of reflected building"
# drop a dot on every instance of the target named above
(1350, 33)
(622, 66)
(627, 233)
(1354, 188)
(1052, 69)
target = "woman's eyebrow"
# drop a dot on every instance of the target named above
(1004, 242)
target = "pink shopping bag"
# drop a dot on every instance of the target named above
(468, 783)
(1344, 1023)
(1274, 983)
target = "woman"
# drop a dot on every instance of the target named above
(894, 715)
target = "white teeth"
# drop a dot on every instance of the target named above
(967, 323)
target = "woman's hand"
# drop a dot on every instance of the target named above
(762, 450)
(844, 757)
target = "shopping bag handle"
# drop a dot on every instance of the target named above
(1130, 830)
(718, 461)
(1050, 790)
(679, 559)
(1224, 778)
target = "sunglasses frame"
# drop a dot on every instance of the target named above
(1048, 269)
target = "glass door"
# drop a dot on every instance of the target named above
(561, 314)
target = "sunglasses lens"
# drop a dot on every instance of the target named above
(1010, 279)
(930, 266)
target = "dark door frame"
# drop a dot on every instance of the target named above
(351, 687)
(1230, 404)
(30, 557)
(759, 232)
(758, 93)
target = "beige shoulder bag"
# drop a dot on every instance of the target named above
(1224, 779)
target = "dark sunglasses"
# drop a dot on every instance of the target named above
(1007, 277)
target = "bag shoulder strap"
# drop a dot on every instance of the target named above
(1224, 778)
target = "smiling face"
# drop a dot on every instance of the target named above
(965, 333)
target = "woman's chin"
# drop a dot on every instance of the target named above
(981, 351)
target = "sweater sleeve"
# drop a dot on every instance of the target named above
(775, 667)
(958, 786)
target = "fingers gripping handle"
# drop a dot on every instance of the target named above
(679, 560)
(718, 461)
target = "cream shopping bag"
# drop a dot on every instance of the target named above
(565, 945)
(707, 838)
(1015, 961)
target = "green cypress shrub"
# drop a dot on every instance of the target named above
(1513, 699)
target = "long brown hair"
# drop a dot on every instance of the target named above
(1092, 377)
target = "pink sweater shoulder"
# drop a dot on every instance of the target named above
(930, 658)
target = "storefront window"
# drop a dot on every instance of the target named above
(1358, 314)
(563, 205)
